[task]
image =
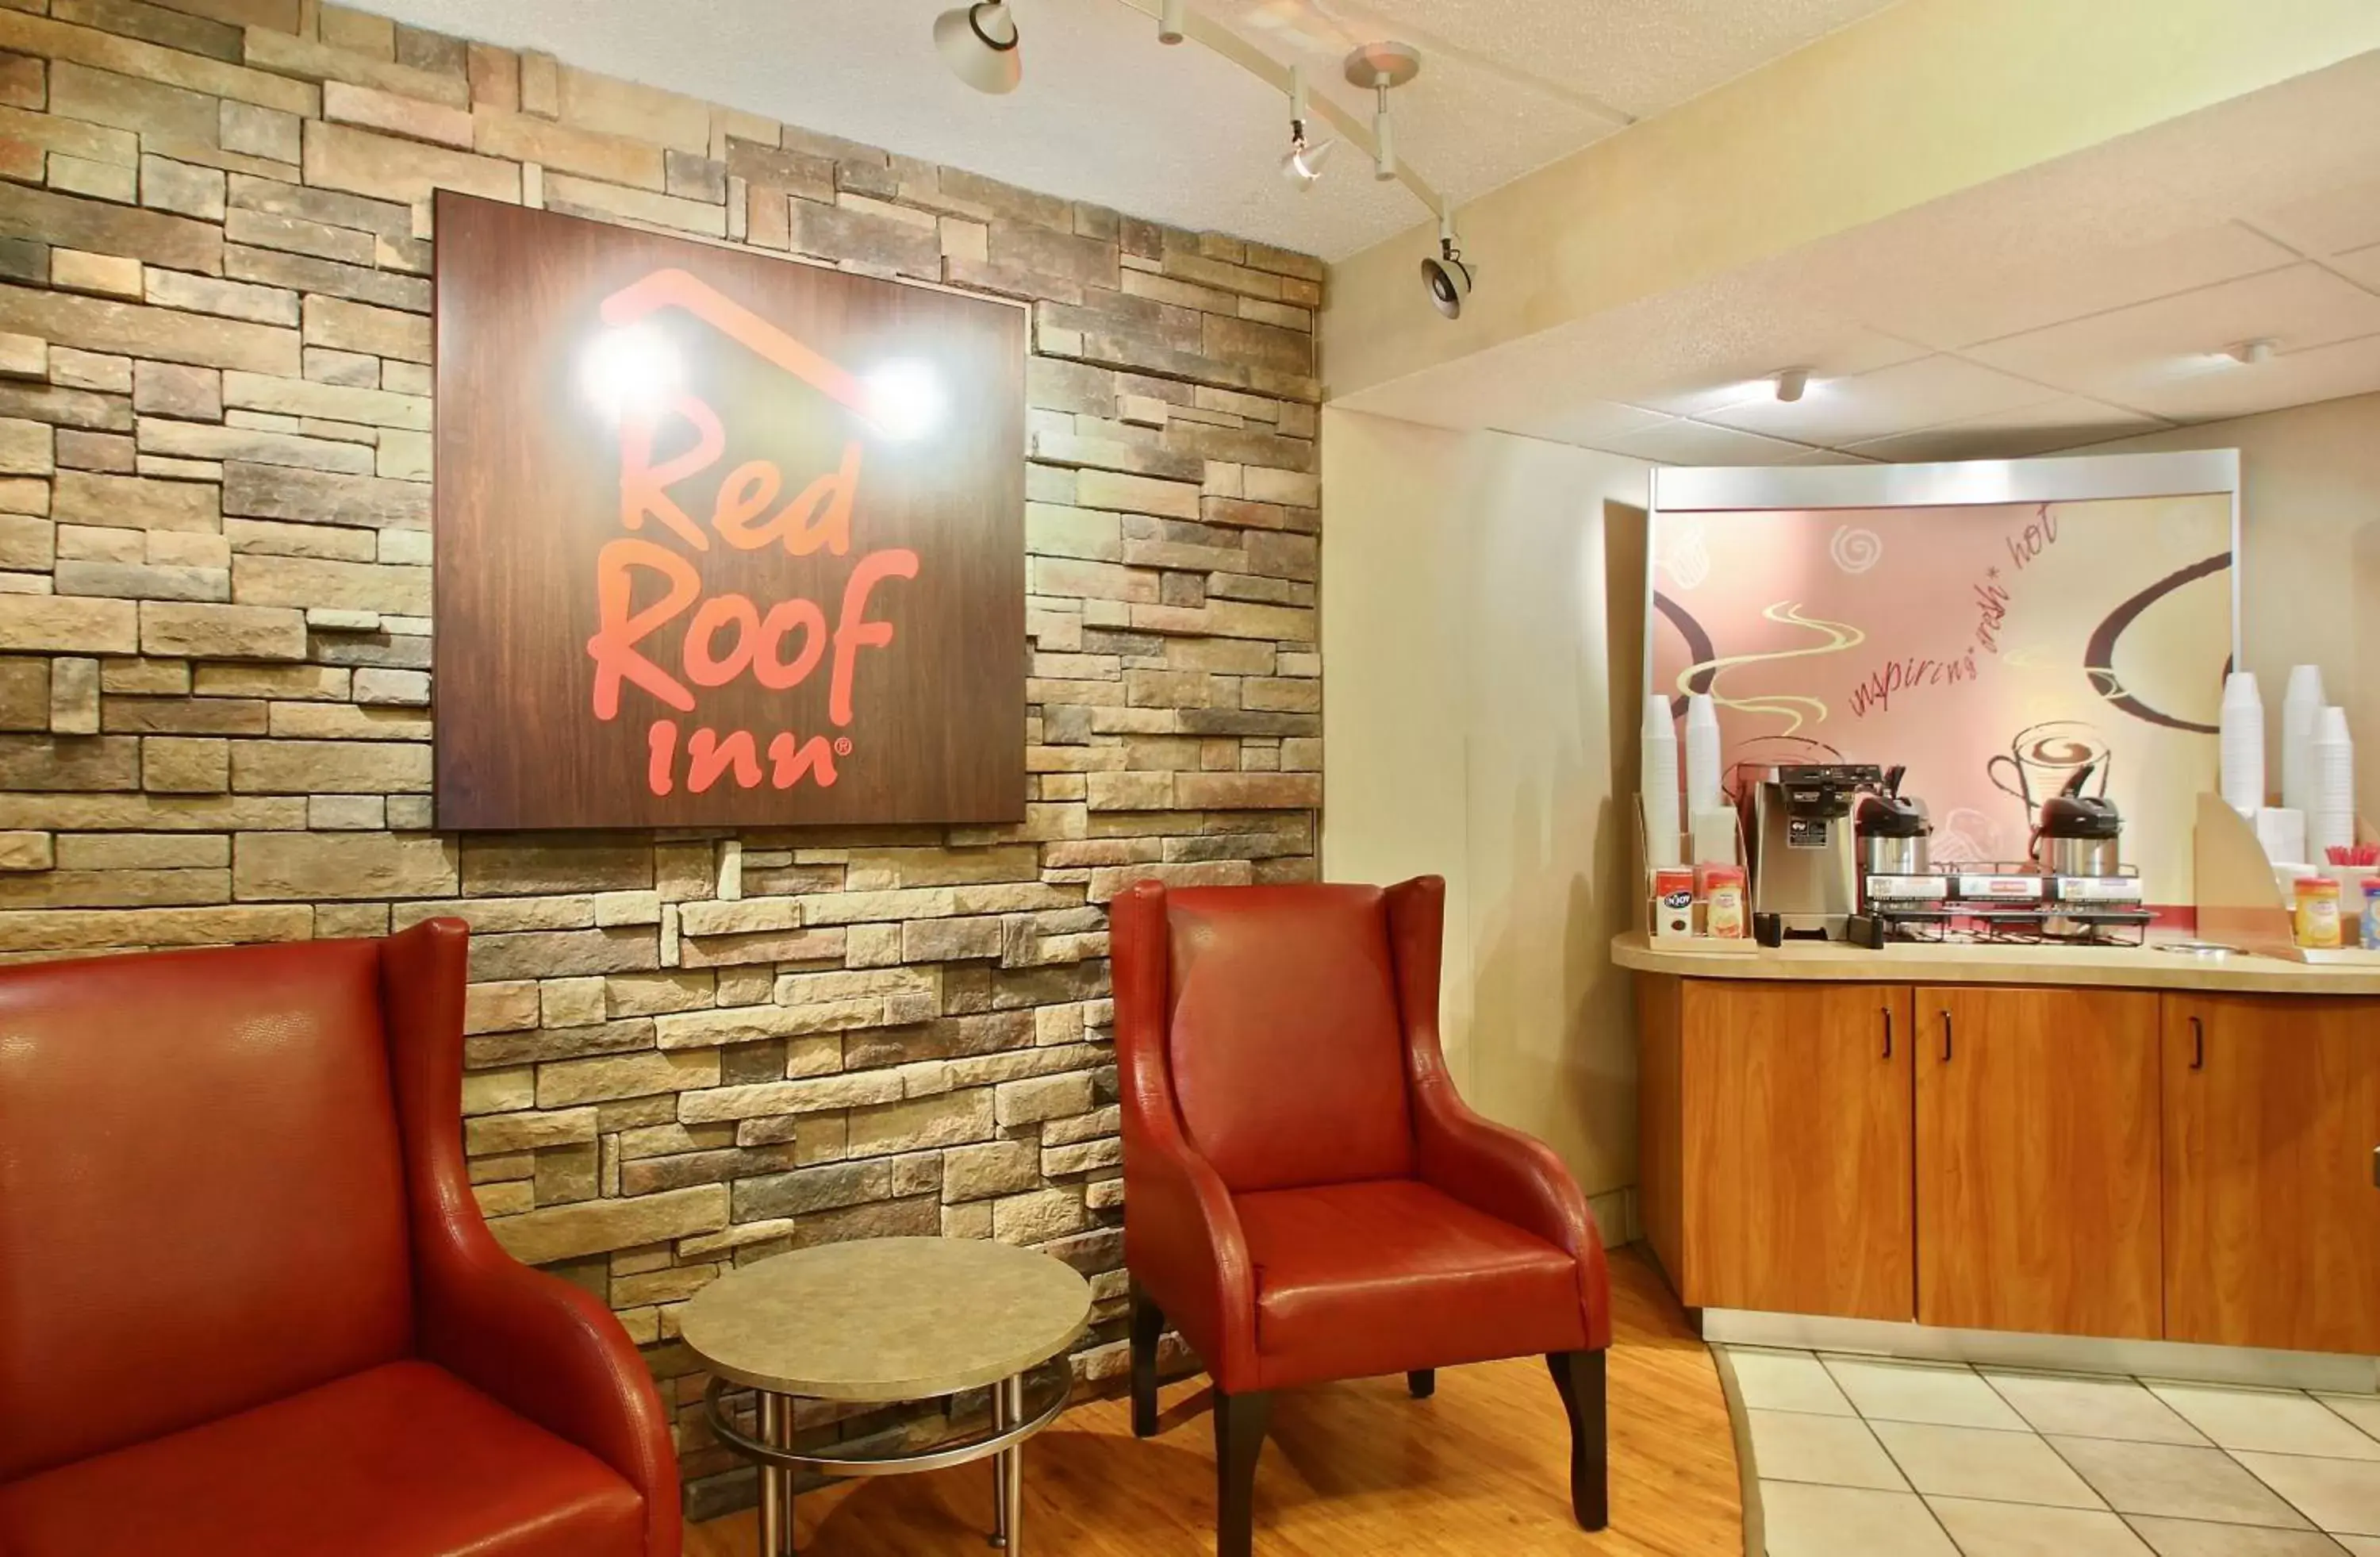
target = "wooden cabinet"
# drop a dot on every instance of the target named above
(2037, 1167)
(1777, 1167)
(2272, 1223)
(2057, 1160)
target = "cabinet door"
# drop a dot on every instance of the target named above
(2037, 1161)
(2272, 1224)
(1796, 1148)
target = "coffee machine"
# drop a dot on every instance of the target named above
(1804, 849)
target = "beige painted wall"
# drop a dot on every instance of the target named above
(1467, 732)
(2310, 557)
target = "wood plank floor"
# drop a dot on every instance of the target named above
(1478, 1471)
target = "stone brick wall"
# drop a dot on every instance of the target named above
(689, 1049)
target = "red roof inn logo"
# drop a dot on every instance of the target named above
(728, 635)
(722, 539)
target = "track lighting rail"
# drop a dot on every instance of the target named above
(1352, 127)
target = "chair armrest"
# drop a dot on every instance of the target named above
(1510, 1177)
(1184, 1244)
(552, 1353)
(540, 1347)
(1182, 1235)
(1489, 1167)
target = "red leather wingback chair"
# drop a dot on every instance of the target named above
(1305, 1197)
(247, 1302)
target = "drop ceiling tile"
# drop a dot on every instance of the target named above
(2066, 422)
(1592, 423)
(1866, 406)
(2076, 237)
(1824, 456)
(2293, 378)
(1699, 442)
(2330, 223)
(1714, 344)
(2361, 265)
(2148, 358)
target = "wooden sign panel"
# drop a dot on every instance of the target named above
(722, 539)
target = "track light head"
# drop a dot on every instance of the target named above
(2252, 354)
(1793, 383)
(1446, 273)
(1170, 20)
(979, 44)
(1303, 165)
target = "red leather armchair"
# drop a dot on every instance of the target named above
(1305, 1197)
(247, 1302)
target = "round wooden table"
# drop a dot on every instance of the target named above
(886, 1320)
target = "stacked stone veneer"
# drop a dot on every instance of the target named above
(688, 1049)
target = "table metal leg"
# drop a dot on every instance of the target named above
(776, 1481)
(1008, 1468)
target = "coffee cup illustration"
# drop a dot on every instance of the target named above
(2043, 758)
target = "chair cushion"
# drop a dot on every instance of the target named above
(224, 1117)
(404, 1460)
(1285, 1047)
(1359, 1279)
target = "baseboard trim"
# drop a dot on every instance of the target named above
(2327, 1371)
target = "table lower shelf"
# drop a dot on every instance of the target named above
(1047, 1390)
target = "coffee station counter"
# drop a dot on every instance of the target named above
(2130, 967)
(2042, 1142)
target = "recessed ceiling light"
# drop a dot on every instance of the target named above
(2252, 354)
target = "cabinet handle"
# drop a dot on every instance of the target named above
(1888, 1032)
(2197, 1044)
(1946, 1038)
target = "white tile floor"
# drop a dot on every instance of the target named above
(1861, 1457)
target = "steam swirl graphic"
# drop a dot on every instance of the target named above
(1855, 551)
(1795, 709)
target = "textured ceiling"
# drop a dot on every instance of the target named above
(1109, 115)
(2078, 301)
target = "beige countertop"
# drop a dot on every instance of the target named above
(2120, 967)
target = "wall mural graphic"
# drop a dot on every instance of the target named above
(722, 539)
(1994, 650)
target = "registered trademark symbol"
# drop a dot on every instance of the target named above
(843, 746)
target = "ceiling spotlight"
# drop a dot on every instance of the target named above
(1377, 67)
(1447, 277)
(979, 42)
(2252, 354)
(1169, 20)
(1793, 383)
(1303, 165)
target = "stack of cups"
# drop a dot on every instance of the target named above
(2332, 823)
(2300, 710)
(2242, 724)
(1658, 784)
(1709, 823)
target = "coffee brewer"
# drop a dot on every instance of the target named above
(1804, 849)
